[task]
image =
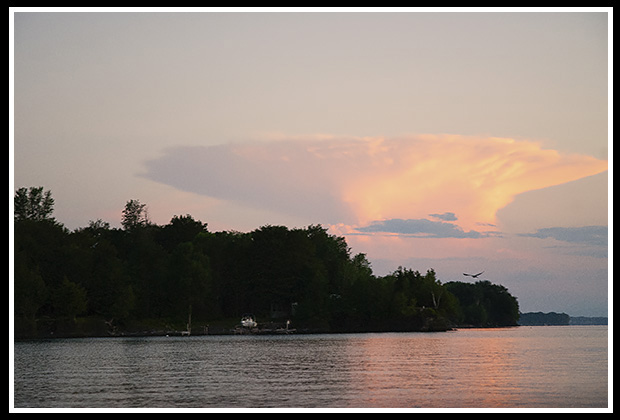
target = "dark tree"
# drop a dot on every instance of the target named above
(134, 215)
(145, 273)
(33, 204)
(180, 229)
(484, 304)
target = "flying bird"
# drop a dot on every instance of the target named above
(473, 275)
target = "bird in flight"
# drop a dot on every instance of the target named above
(473, 275)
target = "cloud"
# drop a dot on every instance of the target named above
(448, 217)
(585, 235)
(422, 228)
(287, 177)
(356, 181)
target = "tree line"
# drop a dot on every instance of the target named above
(147, 272)
(541, 318)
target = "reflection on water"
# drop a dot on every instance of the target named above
(518, 367)
(477, 372)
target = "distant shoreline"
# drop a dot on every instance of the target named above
(589, 320)
(554, 318)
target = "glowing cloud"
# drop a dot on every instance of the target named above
(357, 181)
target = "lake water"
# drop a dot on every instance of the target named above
(531, 367)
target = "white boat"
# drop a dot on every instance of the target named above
(248, 321)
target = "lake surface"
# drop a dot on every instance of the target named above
(529, 367)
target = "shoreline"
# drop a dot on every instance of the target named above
(234, 332)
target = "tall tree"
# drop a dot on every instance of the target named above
(33, 204)
(134, 215)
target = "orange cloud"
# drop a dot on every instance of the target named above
(470, 176)
(355, 181)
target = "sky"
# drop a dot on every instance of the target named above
(461, 141)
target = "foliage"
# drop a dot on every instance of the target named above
(484, 304)
(145, 271)
(33, 204)
(134, 215)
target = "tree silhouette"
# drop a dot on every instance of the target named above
(150, 273)
(33, 204)
(134, 215)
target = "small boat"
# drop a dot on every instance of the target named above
(248, 321)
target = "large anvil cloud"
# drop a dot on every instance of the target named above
(356, 181)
